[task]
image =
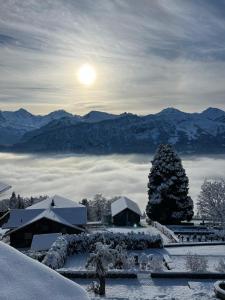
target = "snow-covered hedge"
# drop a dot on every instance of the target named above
(57, 254)
(70, 244)
(166, 231)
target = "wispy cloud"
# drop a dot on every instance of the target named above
(148, 54)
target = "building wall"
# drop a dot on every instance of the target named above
(126, 218)
(23, 237)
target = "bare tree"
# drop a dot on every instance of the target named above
(211, 200)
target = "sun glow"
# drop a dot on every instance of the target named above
(86, 75)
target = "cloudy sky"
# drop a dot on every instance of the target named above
(148, 55)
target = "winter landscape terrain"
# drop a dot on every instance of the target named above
(112, 150)
(103, 133)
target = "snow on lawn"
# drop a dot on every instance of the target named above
(179, 263)
(217, 250)
(22, 278)
(148, 289)
(76, 261)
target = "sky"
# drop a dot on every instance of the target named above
(148, 55)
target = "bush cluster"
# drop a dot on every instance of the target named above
(72, 244)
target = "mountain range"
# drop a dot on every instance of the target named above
(104, 133)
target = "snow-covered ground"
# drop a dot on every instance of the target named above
(179, 263)
(214, 250)
(22, 278)
(147, 289)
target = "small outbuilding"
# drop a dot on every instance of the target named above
(125, 212)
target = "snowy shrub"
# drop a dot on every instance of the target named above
(196, 263)
(156, 263)
(221, 266)
(79, 243)
(57, 254)
(143, 261)
(37, 255)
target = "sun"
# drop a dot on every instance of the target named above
(86, 75)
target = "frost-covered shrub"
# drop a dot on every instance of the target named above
(143, 261)
(57, 254)
(37, 255)
(196, 263)
(155, 264)
(80, 243)
(133, 241)
(221, 266)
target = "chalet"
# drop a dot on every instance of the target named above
(52, 215)
(125, 212)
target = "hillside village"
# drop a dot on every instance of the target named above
(116, 243)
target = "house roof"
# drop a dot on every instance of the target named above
(46, 214)
(122, 204)
(4, 187)
(59, 202)
(41, 242)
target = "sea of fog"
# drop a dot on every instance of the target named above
(83, 176)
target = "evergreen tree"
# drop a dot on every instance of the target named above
(169, 202)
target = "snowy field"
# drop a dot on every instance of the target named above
(147, 289)
(179, 263)
(214, 250)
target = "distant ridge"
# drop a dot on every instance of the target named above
(103, 133)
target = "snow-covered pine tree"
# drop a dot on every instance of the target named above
(169, 202)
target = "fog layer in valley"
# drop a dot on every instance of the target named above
(78, 177)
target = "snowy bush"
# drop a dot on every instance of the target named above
(221, 266)
(37, 255)
(79, 243)
(196, 263)
(155, 264)
(143, 261)
(57, 254)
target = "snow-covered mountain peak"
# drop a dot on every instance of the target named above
(97, 116)
(171, 111)
(213, 113)
(59, 114)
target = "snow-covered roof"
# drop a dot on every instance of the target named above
(74, 215)
(46, 214)
(122, 204)
(70, 211)
(23, 278)
(4, 187)
(41, 242)
(59, 202)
